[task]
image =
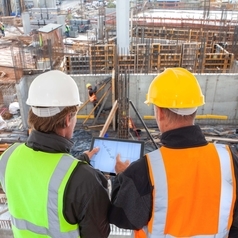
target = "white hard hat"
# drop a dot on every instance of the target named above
(51, 92)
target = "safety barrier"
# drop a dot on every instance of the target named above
(5, 224)
(3, 199)
(115, 231)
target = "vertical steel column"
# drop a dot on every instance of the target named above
(123, 106)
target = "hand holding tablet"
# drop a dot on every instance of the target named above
(91, 152)
(105, 158)
(121, 166)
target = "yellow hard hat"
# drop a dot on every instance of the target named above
(175, 88)
(88, 85)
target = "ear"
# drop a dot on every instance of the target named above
(159, 113)
(67, 120)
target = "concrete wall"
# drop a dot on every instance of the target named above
(220, 91)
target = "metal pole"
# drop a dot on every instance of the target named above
(143, 123)
(50, 52)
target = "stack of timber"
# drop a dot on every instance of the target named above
(11, 20)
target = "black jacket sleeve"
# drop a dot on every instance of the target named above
(131, 197)
(84, 157)
(234, 228)
(86, 202)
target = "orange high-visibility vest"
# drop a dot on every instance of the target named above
(92, 98)
(194, 192)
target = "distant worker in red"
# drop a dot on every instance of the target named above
(93, 97)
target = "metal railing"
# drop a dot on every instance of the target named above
(115, 231)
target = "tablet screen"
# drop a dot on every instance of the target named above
(105, 159)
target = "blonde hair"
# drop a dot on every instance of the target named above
(50, 124)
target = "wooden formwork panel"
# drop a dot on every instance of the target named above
(76, 64)
(133, 49)
(155, 47)
(97, 59)
(142, 49)
(143, 55)
(126, 59)
(170, 49)
(126, 62)
(160, 33)
(222, 36)
(169, 60)
(110, 62)
(155, 50)
(190, 35)
(109, 49)
(188, 48)
(156, 56)
(189, 55)
(195, 36)
(215, 63)
(148, 32)
(179, 34)
(97, 48)
(217, 56)
(143, 63)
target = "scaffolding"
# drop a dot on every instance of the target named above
(156, 43)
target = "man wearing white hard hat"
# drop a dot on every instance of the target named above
(187, 187)
(50, 193)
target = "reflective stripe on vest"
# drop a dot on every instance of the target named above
(161, 200)
(3, 162)
(53, 229)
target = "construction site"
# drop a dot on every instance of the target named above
(123, 56)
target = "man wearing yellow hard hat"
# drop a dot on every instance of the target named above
(187, 187)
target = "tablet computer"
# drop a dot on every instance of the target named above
(105, 159)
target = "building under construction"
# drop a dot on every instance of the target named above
(125, 55)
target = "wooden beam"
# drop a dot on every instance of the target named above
(109, 119)
(113, 97)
